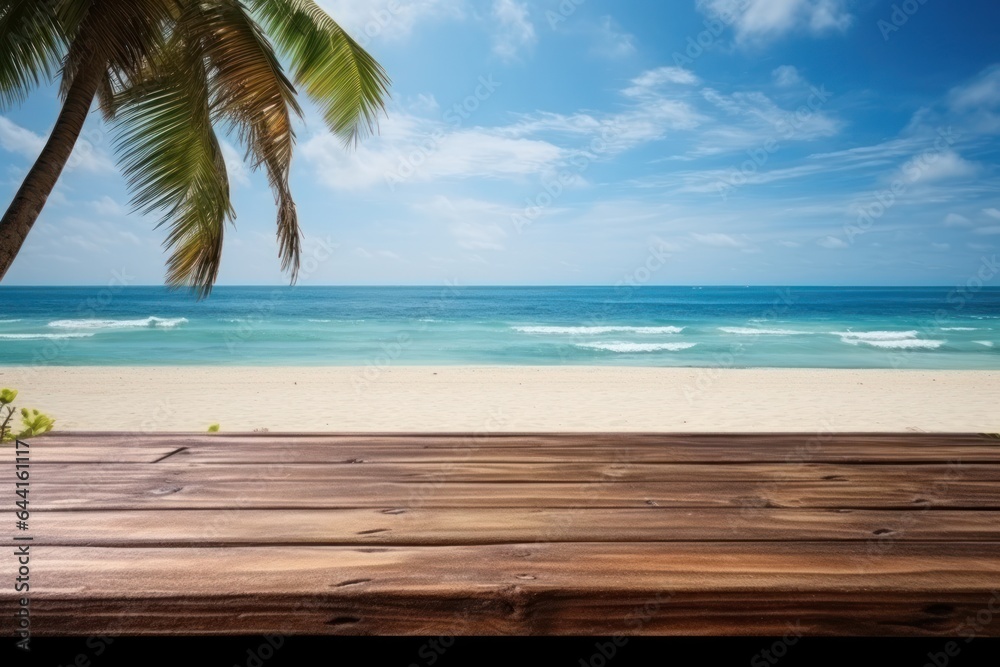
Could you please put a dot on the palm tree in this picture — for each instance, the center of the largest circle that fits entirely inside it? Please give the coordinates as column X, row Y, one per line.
column 166, row 74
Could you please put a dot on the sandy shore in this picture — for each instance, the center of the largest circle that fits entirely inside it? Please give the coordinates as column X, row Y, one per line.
column 485, row 399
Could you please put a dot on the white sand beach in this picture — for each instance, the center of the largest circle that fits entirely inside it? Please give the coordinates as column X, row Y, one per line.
column 508, row 399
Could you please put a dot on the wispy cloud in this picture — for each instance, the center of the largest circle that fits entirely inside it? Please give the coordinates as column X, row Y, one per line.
column 368, row 21
column 648, row 83
column 514, row 33
column 611, row 41
column 759, row 21
column 786, row 75
column 832, row 243
column 414, row 149
column 27, row 144
column 236, row 168
column 718, row 240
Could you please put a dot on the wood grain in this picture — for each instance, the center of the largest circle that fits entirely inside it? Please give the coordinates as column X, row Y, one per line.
column 471, row 526
column 687, row 534
column 702, row 588
column 264, row 493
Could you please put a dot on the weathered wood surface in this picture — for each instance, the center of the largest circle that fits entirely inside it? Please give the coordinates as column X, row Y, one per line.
column 513, row 534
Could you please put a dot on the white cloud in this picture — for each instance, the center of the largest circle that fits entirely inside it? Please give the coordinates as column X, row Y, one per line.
column 646, row 83
column 717, row 240
column 368, row 20
column 832, row 242
column 956, row 220
column 992, row 212
column 412, row 149
column 17, row 139
column 941, row 247
column 789, row 244
column 24, row 142
column 757, row 21
column 786, row 76
column 649, row 120
column 514, row 31
column 981, row 247
column 108, row 207
column 982, row 92
column 987, row 231
column 751, row 118
column 423, row 103
column 937, row 166
column 612, row 41
column 235, row 166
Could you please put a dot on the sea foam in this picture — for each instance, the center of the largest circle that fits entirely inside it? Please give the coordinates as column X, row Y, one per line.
column 638, row 347
column 149, row 322
column 38, row 336
column 876, row 335
column 898, row 344
column 592, row 331
column 751, row 331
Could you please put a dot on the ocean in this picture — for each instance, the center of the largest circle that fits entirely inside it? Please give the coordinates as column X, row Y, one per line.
column 732, row 327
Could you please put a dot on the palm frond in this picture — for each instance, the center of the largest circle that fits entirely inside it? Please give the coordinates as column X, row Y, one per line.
column 173, row 162
column 251, row 93
column 119, row 35
column 32, row 44
column 349, row 86
column 108, row 95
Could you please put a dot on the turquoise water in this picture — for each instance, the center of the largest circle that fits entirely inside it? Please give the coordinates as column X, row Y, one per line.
column 650, row 326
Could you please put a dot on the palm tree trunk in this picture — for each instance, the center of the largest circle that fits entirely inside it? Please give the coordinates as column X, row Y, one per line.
column 42, row 177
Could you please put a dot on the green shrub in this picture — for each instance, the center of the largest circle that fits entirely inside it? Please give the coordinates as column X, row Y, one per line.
column 33, row 422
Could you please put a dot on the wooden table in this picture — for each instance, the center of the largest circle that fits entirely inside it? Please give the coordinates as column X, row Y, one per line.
column 818, row 534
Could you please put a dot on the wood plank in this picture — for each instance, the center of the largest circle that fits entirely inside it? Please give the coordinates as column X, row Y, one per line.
column 606, row 493
column 502, row 440
column 42, row 452
column 520, row 533
column 576, row 472
column 429, row 527
column 602, row 448
column 839, row 452
column 699, row 588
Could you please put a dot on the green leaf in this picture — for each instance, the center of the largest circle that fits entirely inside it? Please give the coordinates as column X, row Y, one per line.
column 214, row 428
column 32, row 45
column 349, row 85
column 35, row 423
column 7, row 396
column 173, row 162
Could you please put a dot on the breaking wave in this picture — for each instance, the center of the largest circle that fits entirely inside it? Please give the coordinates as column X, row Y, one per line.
column 638, row 347
column 149, row 322
column 592, row 331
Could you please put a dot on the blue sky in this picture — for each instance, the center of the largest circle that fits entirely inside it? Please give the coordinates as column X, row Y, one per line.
column 568, row 142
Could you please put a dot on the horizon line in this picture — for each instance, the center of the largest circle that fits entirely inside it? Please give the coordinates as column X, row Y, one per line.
column 496, row 285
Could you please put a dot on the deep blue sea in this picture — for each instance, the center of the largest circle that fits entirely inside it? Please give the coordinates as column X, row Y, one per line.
column 648, row 326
